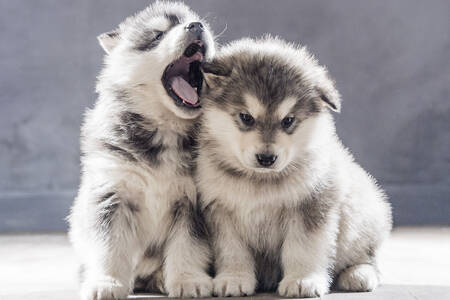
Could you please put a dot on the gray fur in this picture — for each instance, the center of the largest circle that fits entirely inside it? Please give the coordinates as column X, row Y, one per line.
column 136, row 215
column 109, row 204
column 120, row 151
column 174, row 19
column 121, row 95
column 315, row 209
column 138, row 134
column 311, row 215
column 153, row 250
column 153, row 283
column 185, row 212
column 132, row 207
column 187, row 145
column 148, row 40
column 267, row 268
column 229, row 170
column 269, row 78
column 81, row 273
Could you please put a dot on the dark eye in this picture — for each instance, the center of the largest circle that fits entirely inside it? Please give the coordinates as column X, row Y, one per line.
column 287, row 122
column 247, row 119
column 159, row 35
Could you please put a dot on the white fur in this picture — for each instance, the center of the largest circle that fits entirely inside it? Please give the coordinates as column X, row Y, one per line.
column 245, row 213
column 112, row 259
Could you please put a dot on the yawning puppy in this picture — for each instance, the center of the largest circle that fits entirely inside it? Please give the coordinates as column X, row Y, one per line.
column 135, row 221
column 287, row 206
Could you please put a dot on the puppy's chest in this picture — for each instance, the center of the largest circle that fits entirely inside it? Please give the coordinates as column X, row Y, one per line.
column 170, row 180
column 261, row 227
column 175, row 162
column 164, row 159
column 177, row 154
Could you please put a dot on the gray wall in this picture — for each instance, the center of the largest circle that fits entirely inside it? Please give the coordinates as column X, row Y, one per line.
column 391, row 61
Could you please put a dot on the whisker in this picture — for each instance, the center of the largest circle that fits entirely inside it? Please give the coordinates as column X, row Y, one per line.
column 222, row 32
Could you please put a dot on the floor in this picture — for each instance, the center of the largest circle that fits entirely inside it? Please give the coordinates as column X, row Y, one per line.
column 415, row 263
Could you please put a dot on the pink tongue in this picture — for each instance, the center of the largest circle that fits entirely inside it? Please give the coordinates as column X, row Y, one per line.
column 184, row 90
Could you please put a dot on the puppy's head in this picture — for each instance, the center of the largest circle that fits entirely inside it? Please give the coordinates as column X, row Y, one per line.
column 158, row 52
column 265, row 103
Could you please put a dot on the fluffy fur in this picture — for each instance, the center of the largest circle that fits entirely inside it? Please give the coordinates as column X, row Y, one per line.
column 135, row 221
column 308, row 216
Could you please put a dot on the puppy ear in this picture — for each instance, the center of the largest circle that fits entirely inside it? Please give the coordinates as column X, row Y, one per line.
column 329, row 95
column 215, row 70
column 109, row 40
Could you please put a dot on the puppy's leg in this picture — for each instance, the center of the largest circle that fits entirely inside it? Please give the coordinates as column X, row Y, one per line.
column 149, row 276
column 356, row 262
column 187, row 255
column 306, row 256
column 234, row 264
column 112, row 245
column 364, row 225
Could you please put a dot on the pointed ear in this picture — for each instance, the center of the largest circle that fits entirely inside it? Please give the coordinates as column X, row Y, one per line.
column 329, row 95
column 215, row 70
column 109, row 40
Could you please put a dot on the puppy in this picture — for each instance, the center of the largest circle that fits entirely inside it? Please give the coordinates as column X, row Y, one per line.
column 286, row 205
column 135, row 220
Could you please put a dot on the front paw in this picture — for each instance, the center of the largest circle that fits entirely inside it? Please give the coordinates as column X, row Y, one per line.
column 234, row 285
column 359, row 278
column 190, row 286
column 307, row 287
column 103, row 289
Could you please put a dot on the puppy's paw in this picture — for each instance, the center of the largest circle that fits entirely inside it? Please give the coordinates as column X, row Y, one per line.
column 234, row 285
column 359, row 278
column 307, row 287
column 190, row 286
column 103, row 289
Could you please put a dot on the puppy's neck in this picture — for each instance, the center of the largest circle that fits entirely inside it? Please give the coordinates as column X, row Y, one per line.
column 145, row 102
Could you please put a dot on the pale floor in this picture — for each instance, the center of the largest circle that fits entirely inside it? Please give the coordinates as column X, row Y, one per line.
column 415, row 263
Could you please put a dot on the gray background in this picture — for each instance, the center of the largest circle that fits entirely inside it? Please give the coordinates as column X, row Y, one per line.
column 391, row 61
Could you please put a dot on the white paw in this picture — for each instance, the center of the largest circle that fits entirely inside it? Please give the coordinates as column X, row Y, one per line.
column 234, row 285
column 310, row 286
column 104, row 289
column 359, row 278
column 192, row 286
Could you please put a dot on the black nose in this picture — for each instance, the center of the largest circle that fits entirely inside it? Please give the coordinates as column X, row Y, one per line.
column 195, row 27
column 266, row 160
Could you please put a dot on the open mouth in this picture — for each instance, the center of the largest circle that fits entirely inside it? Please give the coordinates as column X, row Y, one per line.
column 183, row 79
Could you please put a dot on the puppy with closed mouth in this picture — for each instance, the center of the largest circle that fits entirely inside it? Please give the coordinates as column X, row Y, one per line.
column 135, row 223
column 287, row 207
